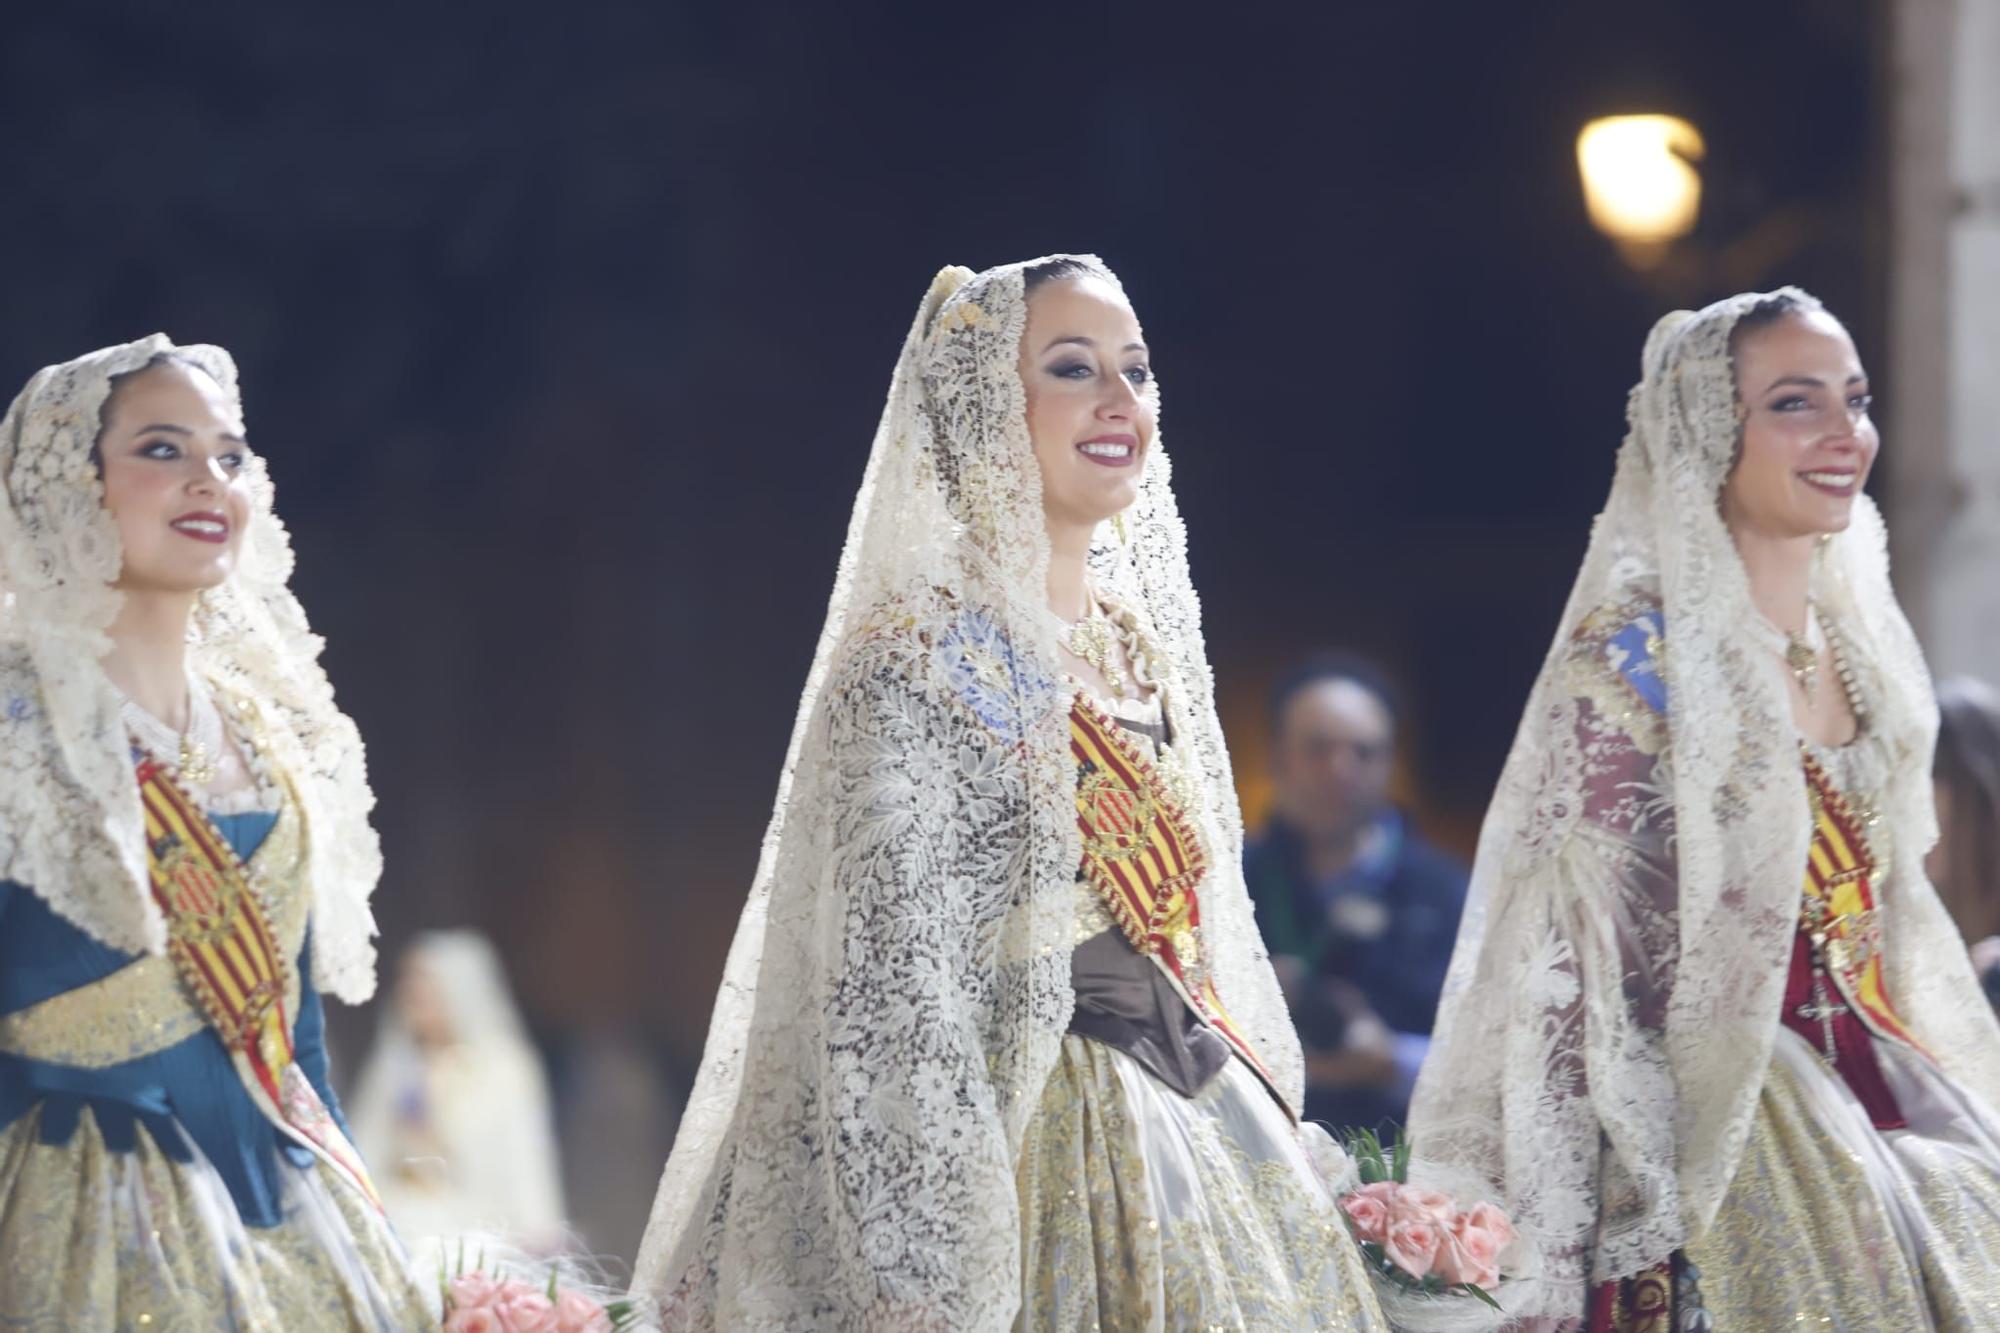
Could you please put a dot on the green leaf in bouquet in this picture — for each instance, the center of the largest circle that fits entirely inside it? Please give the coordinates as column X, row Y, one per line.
column 1369, row 1161
column 1400, row 1168
column 1481, row 1293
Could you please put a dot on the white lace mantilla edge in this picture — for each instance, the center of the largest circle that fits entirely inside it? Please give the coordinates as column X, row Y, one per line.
column 1613, row 998
column 70, row 826
column 899, row 982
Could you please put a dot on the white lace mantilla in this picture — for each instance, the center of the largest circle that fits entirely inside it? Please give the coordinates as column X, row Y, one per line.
column 899, row 983
column 70, row 827
column 1615, row 991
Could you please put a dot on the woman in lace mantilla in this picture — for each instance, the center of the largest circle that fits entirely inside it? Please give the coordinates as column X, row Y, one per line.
column 185, row 861
column 1708, row 1027
column 997, row 1044
column 451, row 1107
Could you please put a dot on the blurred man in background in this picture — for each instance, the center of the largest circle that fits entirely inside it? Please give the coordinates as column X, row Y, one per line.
column 1358, row 911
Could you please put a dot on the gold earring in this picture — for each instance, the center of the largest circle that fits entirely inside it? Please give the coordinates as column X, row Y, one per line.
column 1118, row 526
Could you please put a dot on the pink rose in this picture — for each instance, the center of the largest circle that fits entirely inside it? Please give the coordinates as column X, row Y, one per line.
column 1412, row 1246
column 473, row 1319
column 577, row 1313
column 1488, row 1217
column 1410, row 1204
column 1370, row 1215
column 473, row 1291
column 525, row 1310
column 1470, row 1254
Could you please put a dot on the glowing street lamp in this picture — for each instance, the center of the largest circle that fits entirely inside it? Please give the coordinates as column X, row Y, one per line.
column 1639, row 182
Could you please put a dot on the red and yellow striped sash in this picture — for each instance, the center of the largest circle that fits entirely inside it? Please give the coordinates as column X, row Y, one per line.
column 1839, row 905
column 220, row 938
column 1142, row 855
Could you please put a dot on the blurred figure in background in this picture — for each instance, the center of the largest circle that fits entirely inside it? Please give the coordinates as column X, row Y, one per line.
column 1359, row 913
column 1965, row 862
column 453, row 1105
column 616, row 1105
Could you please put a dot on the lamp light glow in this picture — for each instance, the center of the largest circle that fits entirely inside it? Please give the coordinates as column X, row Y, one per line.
column 1639, row 181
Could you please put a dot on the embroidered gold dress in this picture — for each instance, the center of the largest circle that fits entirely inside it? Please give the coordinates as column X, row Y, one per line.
column 140, row 1184
column 1869, row 1196
column 1162, row 1184
column 1869, row 1193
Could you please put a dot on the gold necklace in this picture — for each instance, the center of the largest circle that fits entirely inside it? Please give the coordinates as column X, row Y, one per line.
column 1801, row 657
column 1804, row 662
column 196, row 768
column 1094, row 639
column 197, row 750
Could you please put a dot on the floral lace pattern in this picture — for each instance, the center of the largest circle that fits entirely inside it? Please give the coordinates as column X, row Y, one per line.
column 899, row 987
column 1613, row 999
column 70, row 825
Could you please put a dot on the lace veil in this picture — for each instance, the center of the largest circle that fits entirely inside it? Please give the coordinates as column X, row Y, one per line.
column 1612, row 1003
column 899, row 982
column 70, row 826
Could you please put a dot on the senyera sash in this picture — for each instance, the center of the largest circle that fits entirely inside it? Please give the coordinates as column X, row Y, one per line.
column 220, row 937
column 1840, row 907
column 1143, row 856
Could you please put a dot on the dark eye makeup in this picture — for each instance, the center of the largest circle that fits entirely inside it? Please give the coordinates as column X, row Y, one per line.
column 166, row 451
column 1079, row 370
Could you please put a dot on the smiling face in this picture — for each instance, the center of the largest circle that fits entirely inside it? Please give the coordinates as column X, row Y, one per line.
column 1090, row 402
column 1808, row 442
column 173, row 455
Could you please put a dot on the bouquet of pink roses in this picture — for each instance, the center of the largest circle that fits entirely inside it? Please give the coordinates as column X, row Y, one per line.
column 1420, row 1243
column 478, row 1301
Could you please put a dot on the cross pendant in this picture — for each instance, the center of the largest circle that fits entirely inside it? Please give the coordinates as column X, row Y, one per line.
column 1823, row 1010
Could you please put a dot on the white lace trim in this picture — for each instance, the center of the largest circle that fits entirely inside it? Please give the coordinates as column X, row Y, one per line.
column 70, row 827
column 1612, row 1002
column 899, row 983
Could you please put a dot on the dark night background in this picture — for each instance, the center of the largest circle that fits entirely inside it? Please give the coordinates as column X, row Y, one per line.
column 566, row 327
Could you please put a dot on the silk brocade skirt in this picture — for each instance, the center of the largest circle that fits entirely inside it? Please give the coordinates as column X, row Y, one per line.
column 1831, row 1223
column 1142, row 1209
column 92, row 1238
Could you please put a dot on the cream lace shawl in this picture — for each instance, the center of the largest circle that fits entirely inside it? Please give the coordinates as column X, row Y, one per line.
column 70, row 827
column 1615, row 991
column 899, row 983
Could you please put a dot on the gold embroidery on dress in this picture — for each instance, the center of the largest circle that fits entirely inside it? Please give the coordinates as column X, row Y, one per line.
column 1261, row 1249
column 1594, row 669
column 1802, row 1237
column 105, row 1237
column 143, row 1007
